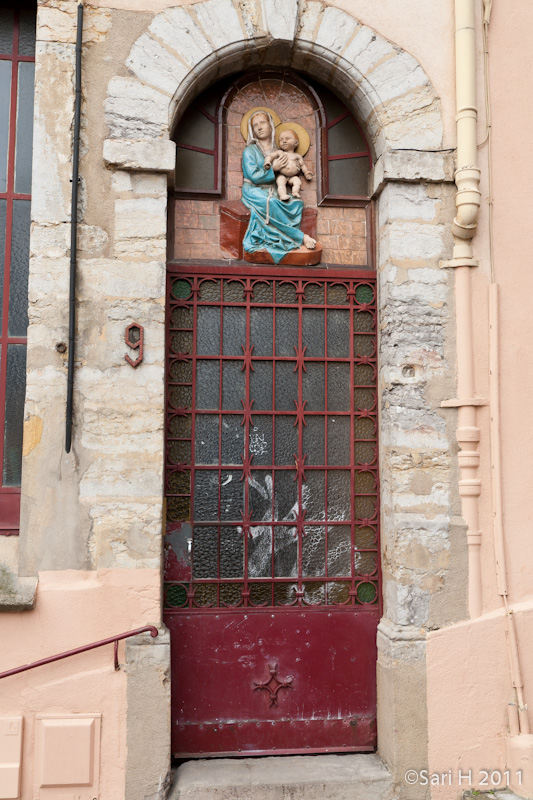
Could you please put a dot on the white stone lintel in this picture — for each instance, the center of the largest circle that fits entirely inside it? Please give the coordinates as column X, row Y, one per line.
column 140, row 156
column 412, row 166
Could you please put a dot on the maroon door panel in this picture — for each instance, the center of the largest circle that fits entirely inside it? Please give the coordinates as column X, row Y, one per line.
column 271, row 548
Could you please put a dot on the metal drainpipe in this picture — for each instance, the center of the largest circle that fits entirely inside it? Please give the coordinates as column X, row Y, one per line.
column 74, row 236
column 464, row 227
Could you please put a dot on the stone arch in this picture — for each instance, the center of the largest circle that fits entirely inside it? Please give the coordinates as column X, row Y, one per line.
column 186, row 48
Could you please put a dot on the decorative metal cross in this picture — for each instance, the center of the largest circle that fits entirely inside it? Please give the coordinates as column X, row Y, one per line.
column 273, row 684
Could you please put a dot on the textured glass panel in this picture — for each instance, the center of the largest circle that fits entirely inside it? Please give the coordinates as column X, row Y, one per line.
column 338, row 593
column 339, row 550
column 364, row 398
column 260, row 436
column 339, row 495
column 23, row 150
column 364, row 345
column 181, row 289
column 367, row 592
column 194, row 170
column 363, row 321
column 365, row 537
column 284, row 594
column 363, row 375
column 286, row 441
column 2, row 247
column 261, row 331
column 179, row 452
column 27, row 33
column 206, row 438
column 313, row 388
column 181, row 342
column 339, row 441
column 365, row 506
column 180, row 426
column 314, row 293
column 232, row 439
column 365, row 482
column 178, row 509
column 5, row 93
column 179, row 482
column 233, row 291
column 261, row 385
column 338, row 333
column 233, row 331
column 181, row 371
column 206, row 494
column 260, row 552
column 181, row 396
column 365, row 453
column 231, row 495
column 349, row 176
column 6, row 31
column 286, row 386
column 286, row 331
column 231, row 553
column 313, row 332
column 208, row 331
column 337, row 294
column 313, row 551
column 285, row 292
column 333, row 106
column 339, row 389
column 364, row 294
column 314, row 593
column 365, row 563
column 15, row 385
column 205, row 595
column 205, row 553
column 345, row 137
column 196, row 129
column 314, row 495
column 260, row 594
column 175, row 596
column 260, row 495
column 285, row 552
column 313, row 441
column 209, row 290
column 231, row 594
column 263, row 292
column 233, row 385
column 285, row 495
column 207, row 384
column 364, row 428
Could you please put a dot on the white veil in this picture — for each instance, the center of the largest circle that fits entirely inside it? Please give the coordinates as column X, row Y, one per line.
column 251, row 138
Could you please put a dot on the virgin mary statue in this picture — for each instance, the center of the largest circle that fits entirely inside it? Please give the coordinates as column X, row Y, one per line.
column 274, row 224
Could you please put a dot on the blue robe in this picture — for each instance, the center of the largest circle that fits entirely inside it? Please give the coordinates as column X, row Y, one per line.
column 282, row 233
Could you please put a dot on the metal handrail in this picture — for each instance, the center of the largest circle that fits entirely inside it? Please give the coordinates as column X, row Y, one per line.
column 112, row 640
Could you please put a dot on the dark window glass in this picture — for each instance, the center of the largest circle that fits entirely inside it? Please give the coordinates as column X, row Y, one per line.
column 24, row 127
column 6, row 31
column 349, row 176
column 14, row 413
column 194, row 170
column 197, row 130
column 20, row 254
column 345, row 137
column 27, row 33
column 5, row 95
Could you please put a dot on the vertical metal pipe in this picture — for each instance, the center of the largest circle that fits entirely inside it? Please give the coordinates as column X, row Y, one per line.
column 74, row 235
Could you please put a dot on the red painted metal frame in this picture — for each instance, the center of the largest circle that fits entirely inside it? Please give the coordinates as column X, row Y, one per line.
column 9, row 496
column 111, row 640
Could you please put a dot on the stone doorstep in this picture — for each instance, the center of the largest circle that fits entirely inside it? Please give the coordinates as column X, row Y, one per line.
column 320, row 777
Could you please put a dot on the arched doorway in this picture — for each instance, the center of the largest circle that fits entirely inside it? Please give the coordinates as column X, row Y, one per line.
column 272, row 568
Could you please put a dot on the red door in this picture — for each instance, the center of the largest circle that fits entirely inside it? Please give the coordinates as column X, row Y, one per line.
column 271, row 550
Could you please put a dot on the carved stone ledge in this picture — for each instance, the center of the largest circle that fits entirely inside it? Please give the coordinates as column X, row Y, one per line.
column 140, row 156
column 16, row 594
column 412, row 166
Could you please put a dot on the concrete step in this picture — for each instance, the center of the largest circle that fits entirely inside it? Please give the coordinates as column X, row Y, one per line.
column 320, row 777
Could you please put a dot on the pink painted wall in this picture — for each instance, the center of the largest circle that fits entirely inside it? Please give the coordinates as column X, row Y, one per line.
column 468, row 672
column 75, row 608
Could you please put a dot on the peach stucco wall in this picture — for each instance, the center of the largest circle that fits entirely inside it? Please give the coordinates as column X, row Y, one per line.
column 469, row 682
column 75, row 608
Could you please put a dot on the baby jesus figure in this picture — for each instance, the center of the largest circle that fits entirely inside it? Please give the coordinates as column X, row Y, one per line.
column 292, row 165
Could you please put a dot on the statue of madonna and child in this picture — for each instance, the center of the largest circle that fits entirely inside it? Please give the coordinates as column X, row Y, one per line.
column 270, row 173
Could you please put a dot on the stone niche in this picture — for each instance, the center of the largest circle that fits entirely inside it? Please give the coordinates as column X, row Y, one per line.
column 194, row 224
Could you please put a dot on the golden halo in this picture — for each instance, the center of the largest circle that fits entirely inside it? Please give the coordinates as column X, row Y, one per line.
column 246, row 117
column 303, row 136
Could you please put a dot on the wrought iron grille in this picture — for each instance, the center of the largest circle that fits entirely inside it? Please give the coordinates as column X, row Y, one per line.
column 271, row 448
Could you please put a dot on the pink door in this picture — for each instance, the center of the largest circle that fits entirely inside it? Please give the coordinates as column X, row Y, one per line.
column 271, row 551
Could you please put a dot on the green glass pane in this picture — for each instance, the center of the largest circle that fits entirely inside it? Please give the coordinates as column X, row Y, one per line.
column 364, row 294
column 367, row 592
column 181, row 289
column 175, row 596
